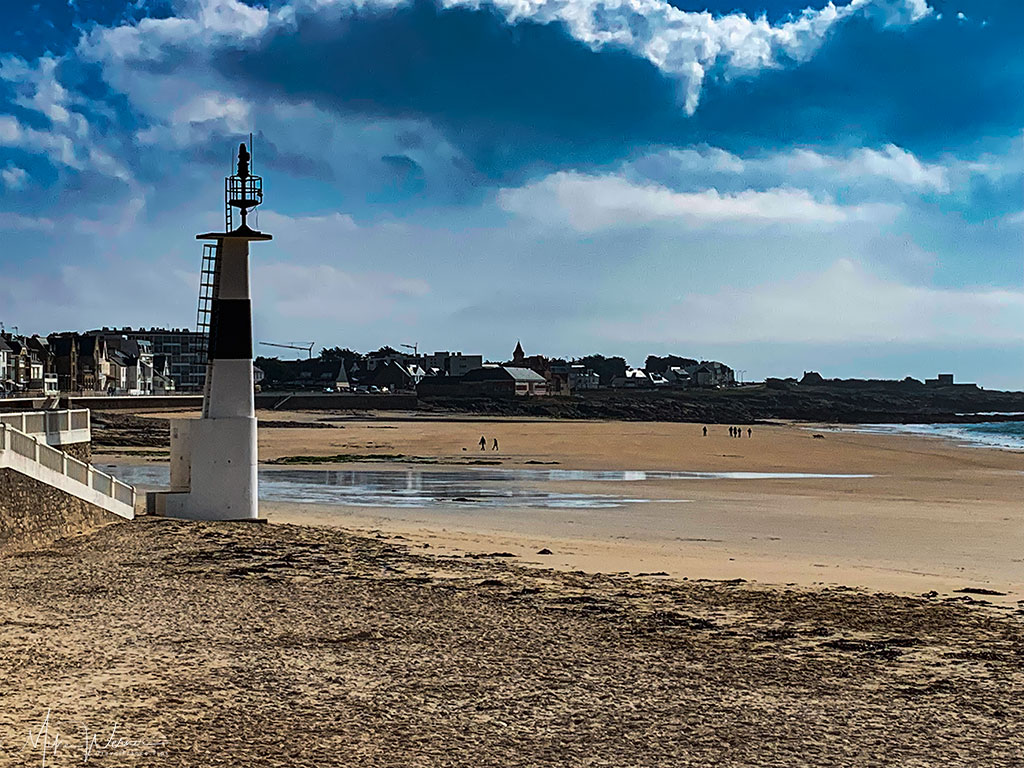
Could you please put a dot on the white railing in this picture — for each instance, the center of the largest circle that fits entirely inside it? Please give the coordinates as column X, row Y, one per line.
column 58, row 427
column 79, row 418
column 37, row 452
column 77, row 470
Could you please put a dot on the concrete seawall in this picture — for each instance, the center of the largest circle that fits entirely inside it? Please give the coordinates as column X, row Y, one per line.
column 284, row 400
column 336, row 401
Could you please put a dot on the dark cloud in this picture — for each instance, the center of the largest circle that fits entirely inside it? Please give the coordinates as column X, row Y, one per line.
column 936, row 86
column 526, row 98
column 506, row 95
column 403, row 177
column 774, row 10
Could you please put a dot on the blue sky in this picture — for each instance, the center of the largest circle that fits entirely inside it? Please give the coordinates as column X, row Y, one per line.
column 779, row 185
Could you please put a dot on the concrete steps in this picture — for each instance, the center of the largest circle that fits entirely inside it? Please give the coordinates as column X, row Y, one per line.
column 32, row 457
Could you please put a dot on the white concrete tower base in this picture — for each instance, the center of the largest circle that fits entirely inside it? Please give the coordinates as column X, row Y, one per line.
column 214, row 458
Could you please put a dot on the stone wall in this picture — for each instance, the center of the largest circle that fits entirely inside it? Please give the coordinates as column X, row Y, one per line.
column 81, row 451
column 344, row 401
column 34, row 515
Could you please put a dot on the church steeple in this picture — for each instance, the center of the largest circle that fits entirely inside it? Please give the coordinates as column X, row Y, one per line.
column 518, row 355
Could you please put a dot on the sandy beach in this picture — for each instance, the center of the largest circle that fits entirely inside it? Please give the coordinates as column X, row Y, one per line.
column 238, row 644
column 931, row 516
column 674, row 620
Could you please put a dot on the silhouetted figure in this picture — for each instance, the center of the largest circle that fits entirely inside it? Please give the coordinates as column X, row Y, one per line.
column 749, row 431
column 730, row 431
column 483, row 443
column 495, row 445
column 705, row 431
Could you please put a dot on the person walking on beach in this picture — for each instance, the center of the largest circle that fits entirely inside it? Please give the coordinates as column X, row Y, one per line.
column 749, row 431
column 483, row 443
column 705, row 431
column 731, row 431
column 495, row 444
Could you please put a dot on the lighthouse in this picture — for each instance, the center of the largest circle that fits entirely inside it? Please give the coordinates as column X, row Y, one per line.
column 213, row 458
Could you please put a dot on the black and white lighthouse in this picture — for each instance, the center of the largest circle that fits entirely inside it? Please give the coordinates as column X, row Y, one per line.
column 213, row 458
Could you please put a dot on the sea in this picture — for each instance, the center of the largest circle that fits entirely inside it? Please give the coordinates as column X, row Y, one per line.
column 1007, row 435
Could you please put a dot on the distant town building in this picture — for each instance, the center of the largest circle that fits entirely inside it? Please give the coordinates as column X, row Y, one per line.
column 6, row 378
column 384, row 356
column 134, row 361
column 184, row 349
column 26, row 366
column 65, row 361
column 451, row 363
column 634, row 378
column 489, row 380
column 567, row 378
column 946, row 380
column 712, row 374
column 163, row 384
column 812, row 378
column 316, row 374
column 506, row 380
column 563, row 378
column 395, row 377
column 518, row 355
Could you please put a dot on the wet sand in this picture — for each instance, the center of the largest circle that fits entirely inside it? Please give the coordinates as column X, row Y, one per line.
column 239, row 644
column 934, row 516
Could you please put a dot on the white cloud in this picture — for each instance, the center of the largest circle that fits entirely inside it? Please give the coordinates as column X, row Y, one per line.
column 60, row 149
column 324, row 228
column 590, row 203
column 897, row 165
column 324, row 292
column 193, row 120
column 16, row 221
column 890, row 164
column 37, row 87
column 69, row 141
column 13, row 177
column 844, row 304
column 214, row 106
column 201, row 23
column 686, row 44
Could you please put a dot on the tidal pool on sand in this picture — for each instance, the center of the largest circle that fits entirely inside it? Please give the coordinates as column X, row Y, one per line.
column 421, row 488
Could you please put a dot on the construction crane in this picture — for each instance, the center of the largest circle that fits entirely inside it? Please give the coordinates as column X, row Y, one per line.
column 305, row 346
column 415, row 347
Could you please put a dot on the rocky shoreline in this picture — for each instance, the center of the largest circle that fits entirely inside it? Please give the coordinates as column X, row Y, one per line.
column 883, row 403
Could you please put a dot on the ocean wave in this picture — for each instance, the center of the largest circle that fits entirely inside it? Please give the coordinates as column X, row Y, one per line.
column 1006, row 435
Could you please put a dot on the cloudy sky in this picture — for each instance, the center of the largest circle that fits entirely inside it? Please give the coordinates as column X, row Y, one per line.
column 837, row 187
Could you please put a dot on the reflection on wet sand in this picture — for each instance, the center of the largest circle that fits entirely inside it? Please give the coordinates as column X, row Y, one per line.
column 484, row 488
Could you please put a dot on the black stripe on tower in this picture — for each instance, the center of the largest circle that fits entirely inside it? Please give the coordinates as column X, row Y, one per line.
column 231, row 329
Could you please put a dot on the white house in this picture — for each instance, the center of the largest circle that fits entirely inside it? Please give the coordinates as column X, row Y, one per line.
column 634, row 379
column 6, row 377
